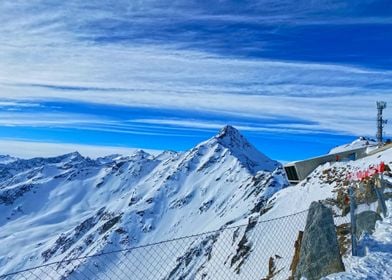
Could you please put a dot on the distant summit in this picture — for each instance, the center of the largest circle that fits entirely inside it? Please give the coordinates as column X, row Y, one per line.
column 6, row 159
column 229, row 131
column 230, row 138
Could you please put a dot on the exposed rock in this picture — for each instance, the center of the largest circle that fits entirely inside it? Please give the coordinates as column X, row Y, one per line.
column 8, row 196
column 66, row 240
column 272, row 269
column 206, row 205
column 295, row 261
column 244, row 247
column 320, row 254
column 344, row 237
column 185, row 263
column 109, row 224
column 181, row 202
column 366, row 193
column 366, row 222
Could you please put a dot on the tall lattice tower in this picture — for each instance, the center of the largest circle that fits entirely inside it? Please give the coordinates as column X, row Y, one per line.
column 381, row 105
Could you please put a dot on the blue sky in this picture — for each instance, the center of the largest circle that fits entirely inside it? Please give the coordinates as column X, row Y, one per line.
column 296, row 77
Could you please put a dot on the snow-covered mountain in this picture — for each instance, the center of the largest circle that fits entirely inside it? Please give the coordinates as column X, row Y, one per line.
column 70, row 206
column 6, row 159
column 361, row 142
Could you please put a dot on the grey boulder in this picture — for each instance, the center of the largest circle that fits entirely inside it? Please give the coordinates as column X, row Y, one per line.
column 319, row 254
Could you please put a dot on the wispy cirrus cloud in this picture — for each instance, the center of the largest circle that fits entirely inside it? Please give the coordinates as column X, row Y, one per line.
column 10, row 105
column 322, row 64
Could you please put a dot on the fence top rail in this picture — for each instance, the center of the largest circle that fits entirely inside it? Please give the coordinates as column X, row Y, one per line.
column 150, row 244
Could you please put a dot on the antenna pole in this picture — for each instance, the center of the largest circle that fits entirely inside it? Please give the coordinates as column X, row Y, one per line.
column 381, row 105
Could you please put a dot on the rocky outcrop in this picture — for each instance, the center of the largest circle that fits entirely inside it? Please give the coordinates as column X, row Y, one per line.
column 295, row 261
column 319, row 254
column 366, row 222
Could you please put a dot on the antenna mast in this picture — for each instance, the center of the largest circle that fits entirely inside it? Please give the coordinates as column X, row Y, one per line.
column 381, row 105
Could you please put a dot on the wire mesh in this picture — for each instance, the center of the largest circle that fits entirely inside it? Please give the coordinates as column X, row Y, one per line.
column 256, row 250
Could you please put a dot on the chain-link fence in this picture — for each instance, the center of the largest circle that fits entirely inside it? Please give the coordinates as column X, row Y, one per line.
column 256, row 250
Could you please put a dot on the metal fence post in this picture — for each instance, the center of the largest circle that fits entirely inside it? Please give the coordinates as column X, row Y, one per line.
column 354, row 251
column 379, row 189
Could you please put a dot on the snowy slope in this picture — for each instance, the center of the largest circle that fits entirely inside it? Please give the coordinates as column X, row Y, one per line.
column 322, row 184
column 356, row 144
column 70, row 206
column 327, row 183
column 377, row 264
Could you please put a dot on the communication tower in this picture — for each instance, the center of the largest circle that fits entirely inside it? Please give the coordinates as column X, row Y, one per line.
column 381, row 105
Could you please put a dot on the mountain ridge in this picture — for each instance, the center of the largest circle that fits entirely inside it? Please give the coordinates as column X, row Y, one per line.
column 72, row 206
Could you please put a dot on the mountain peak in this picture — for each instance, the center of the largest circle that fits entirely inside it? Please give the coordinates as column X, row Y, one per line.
column 228, row 131
column 72, row 156
column 230, row 138
column 5, row 159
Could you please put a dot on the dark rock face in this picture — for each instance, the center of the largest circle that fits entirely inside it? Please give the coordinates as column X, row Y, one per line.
column 319, row 254
column 366, row 222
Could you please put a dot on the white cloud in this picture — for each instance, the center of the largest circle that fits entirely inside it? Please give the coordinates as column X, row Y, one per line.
column 338, row 98
column 13, row 104
column 38, row 119
column 43, row 46
column 250, row 127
